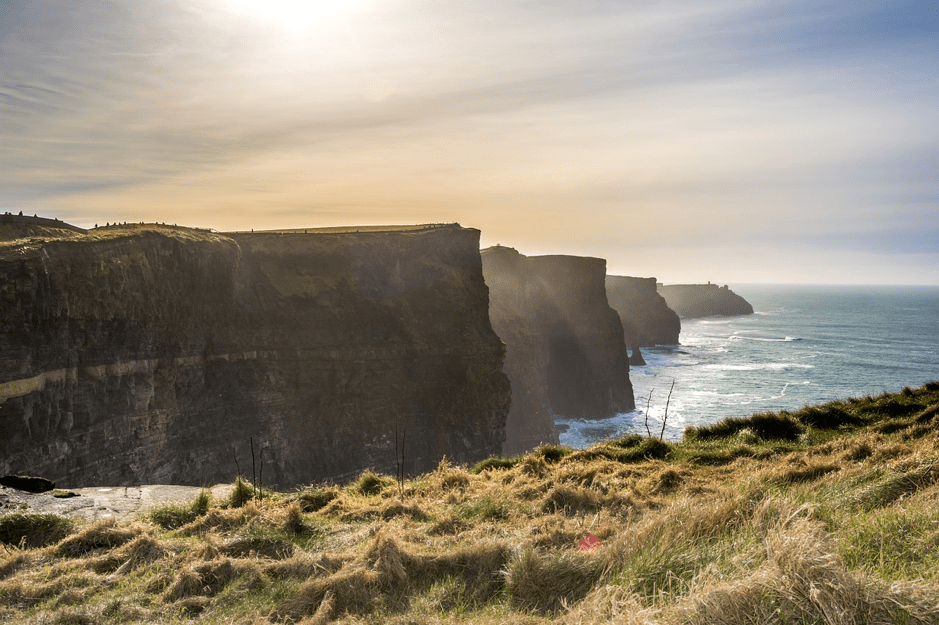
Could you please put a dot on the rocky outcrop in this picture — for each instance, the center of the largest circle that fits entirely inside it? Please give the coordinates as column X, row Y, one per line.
column 565, row 352
column 152, row 355
column 703, row 300
column 647, row 320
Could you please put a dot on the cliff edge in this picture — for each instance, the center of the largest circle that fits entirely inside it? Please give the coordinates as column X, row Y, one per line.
column 703, row 300
column 155, row 355
column 647, row 320
column 565, row 351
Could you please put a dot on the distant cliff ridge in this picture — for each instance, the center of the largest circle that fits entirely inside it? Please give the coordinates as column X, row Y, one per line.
column 703, row 300
column 565, row 351
column 152, row 355
column 647, row 320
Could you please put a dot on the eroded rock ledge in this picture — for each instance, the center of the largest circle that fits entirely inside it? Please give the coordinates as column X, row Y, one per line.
column 565, row 352
column 152, row 355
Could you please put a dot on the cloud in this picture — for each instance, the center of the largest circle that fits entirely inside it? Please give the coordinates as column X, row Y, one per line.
column 652, row 122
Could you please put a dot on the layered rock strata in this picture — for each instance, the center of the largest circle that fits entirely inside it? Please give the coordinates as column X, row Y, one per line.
column 703, row 300
column 647, row 320
column 565, row 352
column 152, row 355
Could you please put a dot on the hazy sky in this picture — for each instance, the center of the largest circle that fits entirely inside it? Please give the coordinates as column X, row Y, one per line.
column 728, row 140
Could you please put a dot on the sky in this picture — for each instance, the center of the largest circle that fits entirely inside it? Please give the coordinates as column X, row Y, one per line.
column 731, row 141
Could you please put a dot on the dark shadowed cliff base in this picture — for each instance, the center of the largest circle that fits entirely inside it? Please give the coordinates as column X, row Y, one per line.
column 703, row 300
column 565, row 352
column 148, row 354
column 647, row 320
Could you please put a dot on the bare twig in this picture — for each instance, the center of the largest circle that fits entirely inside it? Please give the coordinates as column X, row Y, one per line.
column 235, row 456
column 399, row 459
column 665, row 418
column 254, row 475
column 648, row 402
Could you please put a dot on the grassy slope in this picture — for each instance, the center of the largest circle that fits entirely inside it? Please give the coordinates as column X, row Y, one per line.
column 828, row 515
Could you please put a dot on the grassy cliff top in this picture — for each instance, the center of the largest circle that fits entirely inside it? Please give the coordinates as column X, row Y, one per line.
column 15, row 242
column 825, row 515
column 352, row 229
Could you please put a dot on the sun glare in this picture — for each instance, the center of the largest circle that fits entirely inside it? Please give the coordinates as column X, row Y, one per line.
column 292, row 14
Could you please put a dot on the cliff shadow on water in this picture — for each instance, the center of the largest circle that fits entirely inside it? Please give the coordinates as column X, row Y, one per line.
column 150, row 354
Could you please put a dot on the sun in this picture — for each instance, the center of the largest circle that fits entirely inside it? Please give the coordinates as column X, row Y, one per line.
column 292, row 14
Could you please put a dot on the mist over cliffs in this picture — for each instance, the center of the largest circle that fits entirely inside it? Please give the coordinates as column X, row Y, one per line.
column 565, row 350
column 152, row 355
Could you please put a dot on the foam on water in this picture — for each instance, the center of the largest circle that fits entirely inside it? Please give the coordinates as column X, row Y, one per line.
column 803, row 345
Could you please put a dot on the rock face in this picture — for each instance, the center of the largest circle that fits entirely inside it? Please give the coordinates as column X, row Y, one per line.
column 565, row 352
column 150, row 355
column 703, row 300
column 647, row 319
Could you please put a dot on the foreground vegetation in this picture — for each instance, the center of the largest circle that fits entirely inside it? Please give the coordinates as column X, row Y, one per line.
column 827, row 515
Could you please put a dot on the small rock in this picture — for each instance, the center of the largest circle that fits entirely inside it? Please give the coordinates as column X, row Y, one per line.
column 28, row 483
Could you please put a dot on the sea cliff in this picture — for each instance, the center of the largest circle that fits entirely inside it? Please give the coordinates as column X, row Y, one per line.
column 565, row 350
column 703, row 300
column 150, row 354
column 647, row 320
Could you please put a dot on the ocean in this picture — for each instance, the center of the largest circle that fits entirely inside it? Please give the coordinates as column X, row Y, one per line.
column 803, row 345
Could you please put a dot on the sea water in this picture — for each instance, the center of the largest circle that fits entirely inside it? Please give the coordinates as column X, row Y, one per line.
column 803, row 345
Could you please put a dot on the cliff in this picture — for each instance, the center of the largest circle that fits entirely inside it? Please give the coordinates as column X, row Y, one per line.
column 703, row 300
column 153, row 355
column 647, row 320
column 565, row 352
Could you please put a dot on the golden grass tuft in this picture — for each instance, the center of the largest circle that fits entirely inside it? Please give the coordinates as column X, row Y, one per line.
column 803, row 581
column 546, row 583
column 96, row 537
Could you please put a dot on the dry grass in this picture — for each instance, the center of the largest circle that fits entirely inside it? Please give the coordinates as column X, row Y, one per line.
column 834, row 526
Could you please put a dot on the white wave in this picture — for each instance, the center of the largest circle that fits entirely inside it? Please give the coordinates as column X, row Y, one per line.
column 771, row 366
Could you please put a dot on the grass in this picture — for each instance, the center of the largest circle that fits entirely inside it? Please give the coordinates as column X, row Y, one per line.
column 173, row 516
column 829, row 514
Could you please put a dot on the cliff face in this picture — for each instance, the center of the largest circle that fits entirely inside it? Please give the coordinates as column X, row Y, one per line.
column 153, row 355
column 703, row 300
column 565, row 352
column 647, row 319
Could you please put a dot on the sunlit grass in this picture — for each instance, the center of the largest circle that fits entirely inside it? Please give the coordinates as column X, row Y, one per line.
column 829, row 514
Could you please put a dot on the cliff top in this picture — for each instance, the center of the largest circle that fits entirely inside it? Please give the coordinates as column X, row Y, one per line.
column 512, row 252
column 15, row 248
column 20, row 235
column 352, row 229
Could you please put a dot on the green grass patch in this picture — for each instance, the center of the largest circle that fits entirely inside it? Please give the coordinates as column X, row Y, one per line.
column 765, row 425
column 371, row 483
column 31, row 531
column 495, row 463
column 487, row 508
column 174, row 516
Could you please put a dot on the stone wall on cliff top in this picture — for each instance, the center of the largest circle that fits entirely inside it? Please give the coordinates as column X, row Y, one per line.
column 691, row 301
column 647, row 319
column 565, row 352
column 153, row 355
